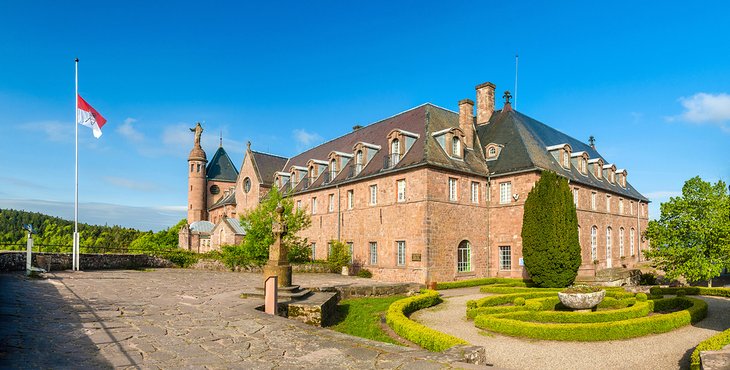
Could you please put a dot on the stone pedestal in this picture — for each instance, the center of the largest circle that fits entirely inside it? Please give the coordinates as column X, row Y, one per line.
column 283, row 273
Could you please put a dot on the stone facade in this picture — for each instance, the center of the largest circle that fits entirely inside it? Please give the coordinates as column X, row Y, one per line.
column 463, row 180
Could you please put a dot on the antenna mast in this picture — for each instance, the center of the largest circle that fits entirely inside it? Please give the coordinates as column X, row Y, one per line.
column 517, row 57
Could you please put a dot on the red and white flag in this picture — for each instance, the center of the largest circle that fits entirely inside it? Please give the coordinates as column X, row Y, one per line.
column 89, row 117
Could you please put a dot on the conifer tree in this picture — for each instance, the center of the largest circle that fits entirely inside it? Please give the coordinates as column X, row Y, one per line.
column 550, row 245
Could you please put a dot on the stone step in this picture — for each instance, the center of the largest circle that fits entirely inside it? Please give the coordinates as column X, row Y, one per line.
column 284, row 293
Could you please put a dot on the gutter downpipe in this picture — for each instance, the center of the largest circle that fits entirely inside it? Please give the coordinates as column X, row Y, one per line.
column 638, row 229
column 339, row 213
column 489, row 213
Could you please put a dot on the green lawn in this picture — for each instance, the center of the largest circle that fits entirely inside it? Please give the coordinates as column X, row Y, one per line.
column 361, row 317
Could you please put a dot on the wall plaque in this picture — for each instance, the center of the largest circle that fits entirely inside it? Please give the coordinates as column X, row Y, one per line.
column 416, row 257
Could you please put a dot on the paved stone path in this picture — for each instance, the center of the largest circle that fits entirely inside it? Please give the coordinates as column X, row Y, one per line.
column 174, row 318
column 663, row 351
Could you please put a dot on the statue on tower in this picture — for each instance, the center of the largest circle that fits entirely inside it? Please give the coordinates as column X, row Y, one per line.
column 198, row 130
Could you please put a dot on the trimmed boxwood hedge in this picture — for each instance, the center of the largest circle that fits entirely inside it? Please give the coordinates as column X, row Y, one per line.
column 713, row 343
column 397, row 319
column 503, row 289
column 506, row 299
column 640, row 309
column 696, row 310
column 483, row 281
column 692, row 290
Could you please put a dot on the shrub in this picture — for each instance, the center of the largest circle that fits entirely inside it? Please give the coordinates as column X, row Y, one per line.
column 695, row 290
column 713, row 343
column 505, row 299
column 613, row 303
column 647, row 278
column 641, row 297
column 550, row 247
column 499, row 289
column 234, row 255
column 364, row 273
column 519, row 301
column 425, row 337
column 474, row 312
column 638, row 310
column 582, row 289
column 478, row 282
column 695, row 310
column 180, row 257
column 339, row 256
column 299, row 252
column 681, row 292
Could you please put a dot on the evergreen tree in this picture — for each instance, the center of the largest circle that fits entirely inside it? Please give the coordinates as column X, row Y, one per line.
column 550, row 245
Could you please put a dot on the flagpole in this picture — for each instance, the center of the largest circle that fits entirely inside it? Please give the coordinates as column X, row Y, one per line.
column 76, row 249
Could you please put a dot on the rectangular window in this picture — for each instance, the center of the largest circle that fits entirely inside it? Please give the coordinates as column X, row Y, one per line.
column 373, row 253
column 593, row 200
column 452, row 189
column 350, row 199
column 620, row 206
column 608, row 203
column 475, row 192
column 631, row 242
column 401, row 252
column 373, row 195
column 631, row 208
column 505, row 258
column 314, row 205
column 314, row 251
column 401, row 184
column 331, row 206
column 352, row 252
column 329, row 249
column 299, row 204
column 621, row 242
column 505, row 192
column 575, row 197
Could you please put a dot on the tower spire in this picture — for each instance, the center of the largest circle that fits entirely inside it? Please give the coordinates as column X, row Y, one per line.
column 221, row 139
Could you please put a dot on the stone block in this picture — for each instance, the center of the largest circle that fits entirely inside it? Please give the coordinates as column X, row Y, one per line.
column 318, row 309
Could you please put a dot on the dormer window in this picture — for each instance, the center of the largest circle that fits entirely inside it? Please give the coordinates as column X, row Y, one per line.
column 580, row 161
column 333, row 169
column 456, row 147
column 358, row 162
column 281, row 179
column 394, row 152
column 621, row 177
column 597, row 167
column 561, row 153
column 492, row 152
column 609, row 172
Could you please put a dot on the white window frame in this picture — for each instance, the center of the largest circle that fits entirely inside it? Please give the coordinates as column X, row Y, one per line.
column 566, row 159
column 453, row 189
column 331, row 205
column 621, row 242
column 475, row 192
column 358, row 162
column 373, row 253
column 351, row 247
column 373, row 195
column 575, row 197
column 505, row 258
column 632, row 236
column 401, row 188
column 299, row 204
column 401, row 252
column 620, row 206
column 395, row 152
column 594, row 243
column 608, row 203
column 505, row 192
column 350, row 199
column 609, row 243
column 313, row 248
column 333, row 169
column 314, row 205
column 594, row 195
column 455, row 147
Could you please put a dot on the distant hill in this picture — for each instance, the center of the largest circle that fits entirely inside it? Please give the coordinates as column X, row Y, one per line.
column 49, row 230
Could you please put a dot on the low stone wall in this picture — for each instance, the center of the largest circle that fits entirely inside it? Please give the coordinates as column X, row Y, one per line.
column 216, row 265
column 15, row 261
column 383, row 290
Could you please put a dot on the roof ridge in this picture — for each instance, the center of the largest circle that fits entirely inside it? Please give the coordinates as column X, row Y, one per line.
column 269, row 154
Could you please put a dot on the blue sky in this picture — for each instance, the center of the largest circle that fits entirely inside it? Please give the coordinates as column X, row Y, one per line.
column 649, row 80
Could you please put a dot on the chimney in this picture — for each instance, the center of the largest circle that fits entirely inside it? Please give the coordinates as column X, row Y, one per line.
column 485, row 102
column 466, row 121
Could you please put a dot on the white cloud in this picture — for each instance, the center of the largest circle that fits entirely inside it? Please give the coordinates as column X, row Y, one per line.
column 52, row 130
column 306, row 139
column 706, row 108
column 131, row 184
column 128, row 131
column 662, row 194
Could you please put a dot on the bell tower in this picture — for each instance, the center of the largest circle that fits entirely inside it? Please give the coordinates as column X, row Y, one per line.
column 197, row 210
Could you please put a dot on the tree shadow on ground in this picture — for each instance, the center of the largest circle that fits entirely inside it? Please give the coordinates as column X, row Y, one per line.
column 40, row 329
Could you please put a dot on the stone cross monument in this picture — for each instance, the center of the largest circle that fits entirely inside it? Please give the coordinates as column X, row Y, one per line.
column 278, row 264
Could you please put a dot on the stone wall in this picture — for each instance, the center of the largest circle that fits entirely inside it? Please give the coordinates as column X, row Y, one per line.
column 15, row 261
column 215, row 265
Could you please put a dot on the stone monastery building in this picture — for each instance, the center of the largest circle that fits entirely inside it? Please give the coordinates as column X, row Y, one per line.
column 426, row 195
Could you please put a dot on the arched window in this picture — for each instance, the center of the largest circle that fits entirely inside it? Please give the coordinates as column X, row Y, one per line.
column 394, row 152
column 358, row 162
column 594, row 243
column 609, row 255
column 464, row 257
column 456, row 147
column 621, row 242
column 492, row 152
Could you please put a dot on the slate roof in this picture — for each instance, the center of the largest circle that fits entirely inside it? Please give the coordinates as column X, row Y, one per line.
column 266, row 166
column 525, row 140
column 423, row 120
column 229, row 198
column 202, row 226
column 221, row 167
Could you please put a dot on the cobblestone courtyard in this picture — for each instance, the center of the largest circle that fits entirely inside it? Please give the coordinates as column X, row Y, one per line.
column 173, row 318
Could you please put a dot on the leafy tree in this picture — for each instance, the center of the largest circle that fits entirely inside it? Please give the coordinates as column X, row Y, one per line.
column 692, row 236
column 339, row 255
column 550, row 245
column 258, row 222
